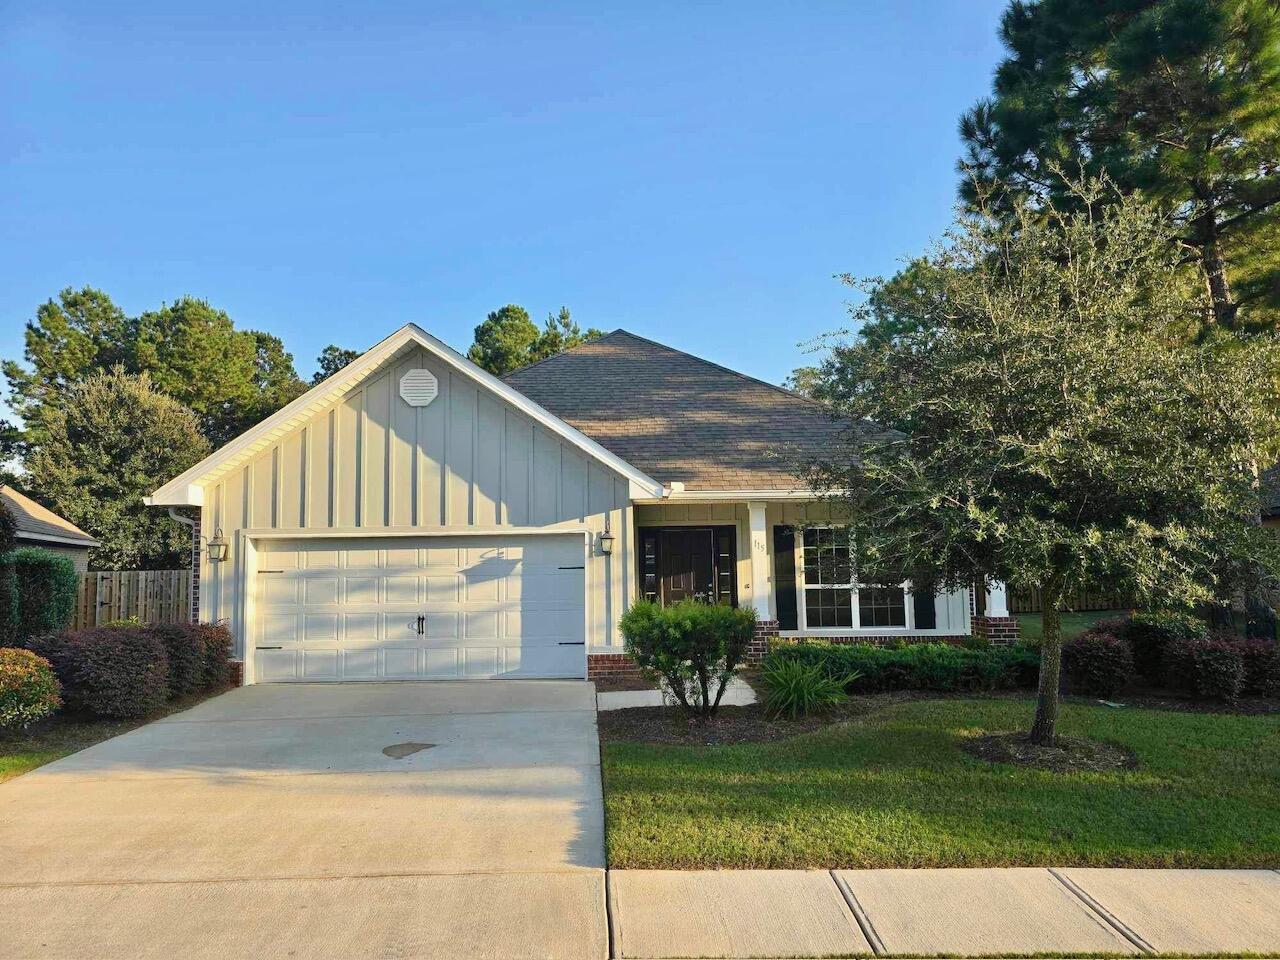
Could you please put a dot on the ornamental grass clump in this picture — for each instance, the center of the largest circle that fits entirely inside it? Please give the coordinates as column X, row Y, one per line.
column 796, row 689
column 691, row 648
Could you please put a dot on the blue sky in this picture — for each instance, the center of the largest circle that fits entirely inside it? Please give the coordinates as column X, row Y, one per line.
column 693, row 172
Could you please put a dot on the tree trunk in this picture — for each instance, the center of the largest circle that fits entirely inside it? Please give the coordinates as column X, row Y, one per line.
column 1044, row 731
column 1222, row 308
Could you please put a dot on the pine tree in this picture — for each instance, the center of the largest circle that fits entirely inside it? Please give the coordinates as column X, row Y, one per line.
column 1179, row 99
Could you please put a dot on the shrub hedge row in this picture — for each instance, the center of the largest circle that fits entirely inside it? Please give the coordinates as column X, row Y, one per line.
column 130, row 670
column 37, row 594
column 918, row 666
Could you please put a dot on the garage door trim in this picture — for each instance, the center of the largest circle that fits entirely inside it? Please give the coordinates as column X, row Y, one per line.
column 247, row 546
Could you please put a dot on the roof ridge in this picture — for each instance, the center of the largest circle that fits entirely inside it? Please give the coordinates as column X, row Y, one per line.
column 530, row 366
column 729, row 370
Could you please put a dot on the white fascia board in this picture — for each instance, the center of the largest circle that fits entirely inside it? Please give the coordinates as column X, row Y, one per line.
column 50, row 538
column 186, row 489
column 722, row 496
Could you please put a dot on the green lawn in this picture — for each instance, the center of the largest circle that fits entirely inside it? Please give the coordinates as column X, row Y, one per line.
column 1072, row 623
column 894, row 790
column 46, row 742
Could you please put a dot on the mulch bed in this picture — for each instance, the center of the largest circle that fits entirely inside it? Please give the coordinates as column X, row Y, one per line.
column 1068, row 755
column 1150, row 699
column 731, row 724
column 614, row 684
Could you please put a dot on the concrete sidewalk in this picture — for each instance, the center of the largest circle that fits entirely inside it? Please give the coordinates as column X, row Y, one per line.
column 977, row 913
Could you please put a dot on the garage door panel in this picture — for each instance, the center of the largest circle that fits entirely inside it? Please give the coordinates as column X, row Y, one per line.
column 490, row 607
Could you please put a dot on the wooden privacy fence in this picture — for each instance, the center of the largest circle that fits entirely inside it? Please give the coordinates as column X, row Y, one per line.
column 1085, row 598
column 151, row 596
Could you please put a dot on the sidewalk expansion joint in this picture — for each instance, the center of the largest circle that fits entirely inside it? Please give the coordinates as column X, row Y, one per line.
column 1107, row 916
column 860, row 915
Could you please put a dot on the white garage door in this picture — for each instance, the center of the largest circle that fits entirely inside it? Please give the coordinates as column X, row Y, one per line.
column 421, row 608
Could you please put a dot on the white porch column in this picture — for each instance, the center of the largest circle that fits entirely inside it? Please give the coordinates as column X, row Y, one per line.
column 997, row 600
column 759, row 559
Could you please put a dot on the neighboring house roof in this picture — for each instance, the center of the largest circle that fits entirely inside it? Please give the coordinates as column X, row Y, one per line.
column 678, row 417
column 35, row 522
column 186, row 489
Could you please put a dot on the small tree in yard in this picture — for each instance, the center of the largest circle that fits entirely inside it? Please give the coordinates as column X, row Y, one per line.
column 1053, row 424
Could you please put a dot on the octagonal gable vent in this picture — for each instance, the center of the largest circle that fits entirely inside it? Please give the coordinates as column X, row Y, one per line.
column 419, row 387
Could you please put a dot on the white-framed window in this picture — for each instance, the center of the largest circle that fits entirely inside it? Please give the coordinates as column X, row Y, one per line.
column 832, row 597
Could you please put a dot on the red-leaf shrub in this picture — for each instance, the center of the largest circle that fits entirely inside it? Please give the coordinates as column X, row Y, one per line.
column 1257, row 654
column 1150, row 634
column 1098, row 662
column 215, row 642
column 184, row 646
column 109, row 671
column 1211, row 668
column 28, row 688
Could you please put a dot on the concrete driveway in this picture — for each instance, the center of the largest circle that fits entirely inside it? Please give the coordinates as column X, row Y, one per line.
column 319, row 820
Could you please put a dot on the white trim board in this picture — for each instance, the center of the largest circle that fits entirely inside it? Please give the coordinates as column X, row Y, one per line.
column 187, row 489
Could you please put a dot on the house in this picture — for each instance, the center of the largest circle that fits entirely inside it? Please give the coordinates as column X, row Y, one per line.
column 415, row 517
column 37, row 526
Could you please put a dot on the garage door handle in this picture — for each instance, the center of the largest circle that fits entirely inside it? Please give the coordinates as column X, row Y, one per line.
column 578, row 567
column 572, row 643
column 260, row 647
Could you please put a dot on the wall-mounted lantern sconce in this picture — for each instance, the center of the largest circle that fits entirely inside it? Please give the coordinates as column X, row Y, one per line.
column 606, row 539
column 217, row 547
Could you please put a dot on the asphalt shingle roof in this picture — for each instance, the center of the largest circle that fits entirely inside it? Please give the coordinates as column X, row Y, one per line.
column 678, row 417
column 33, row 520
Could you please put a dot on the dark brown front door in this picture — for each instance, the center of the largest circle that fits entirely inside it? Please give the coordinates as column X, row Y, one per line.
column 687, row 565
column 679, row 563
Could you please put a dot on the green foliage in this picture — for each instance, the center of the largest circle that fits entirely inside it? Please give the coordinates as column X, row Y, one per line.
column 109, row 671
column 1210, row 668
column 508, row 339
column 193, row 353
column 1054, row 425
column 8, row 527
column 1179, row 99
column 115, row 440
column 28, row 688
column 1151, row 633
column 1098, row 662
column 693, row 648
column 917, row 666
column 794, row 688
column 332, row 359
column 38, row 591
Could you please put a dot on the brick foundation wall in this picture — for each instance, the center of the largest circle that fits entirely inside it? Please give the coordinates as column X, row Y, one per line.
column 955, row 640
column 237, row 673
column 766, row 631
column 999, row 631
column 611, row 666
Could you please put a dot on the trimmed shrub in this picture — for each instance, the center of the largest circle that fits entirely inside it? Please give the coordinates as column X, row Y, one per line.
column 28, row 688
column 919, row 666
column 184, row 645
column 1210, row 668
column 1150, row 634
column 1098, row 662
column 109, row 671
column 693, row 648
column 794, row 688
column 37, row 593
column 1271, row 678
column 215, row 645
column 1257, row 654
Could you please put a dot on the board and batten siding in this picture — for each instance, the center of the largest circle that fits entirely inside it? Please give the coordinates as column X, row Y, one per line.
column 467, row 459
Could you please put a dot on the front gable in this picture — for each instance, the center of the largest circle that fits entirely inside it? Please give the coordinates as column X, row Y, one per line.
column 360, row 449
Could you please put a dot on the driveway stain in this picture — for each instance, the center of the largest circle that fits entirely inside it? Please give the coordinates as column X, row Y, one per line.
column 398, row 751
